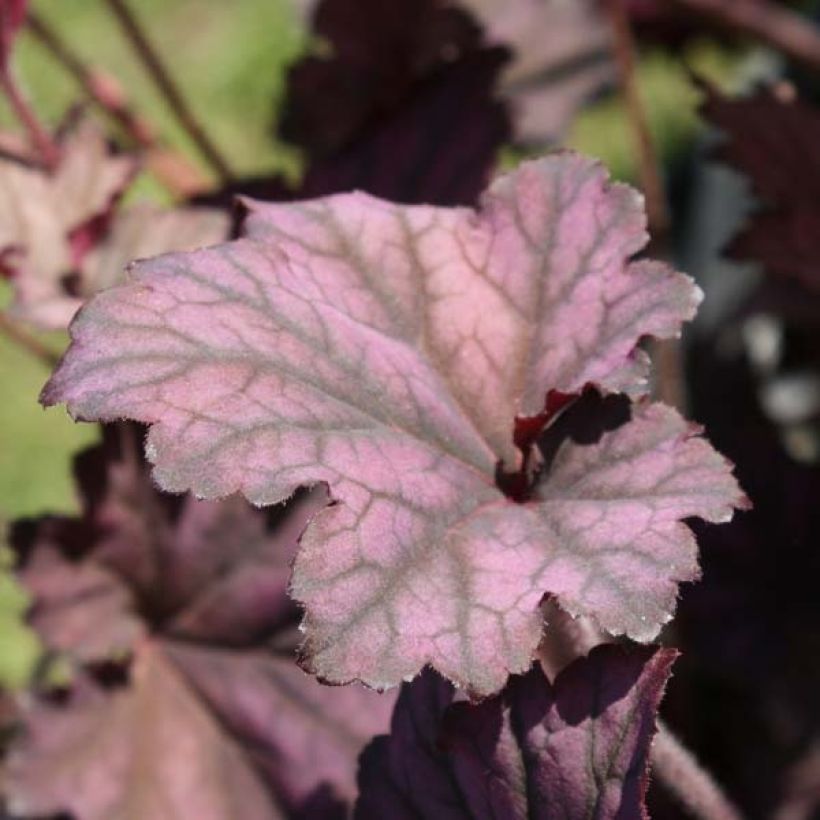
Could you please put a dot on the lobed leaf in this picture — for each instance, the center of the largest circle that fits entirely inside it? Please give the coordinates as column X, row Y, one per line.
column 387, row 351
column 40, row 211
column 575, row 749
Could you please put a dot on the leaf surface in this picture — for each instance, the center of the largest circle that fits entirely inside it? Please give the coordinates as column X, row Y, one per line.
column 211, row 706
column 575, row 749
column 387, row 351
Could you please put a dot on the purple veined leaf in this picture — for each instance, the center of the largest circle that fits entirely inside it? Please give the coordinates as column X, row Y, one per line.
column 577, row 748
column 386, row 351
column 12, row 17
column 195, row 594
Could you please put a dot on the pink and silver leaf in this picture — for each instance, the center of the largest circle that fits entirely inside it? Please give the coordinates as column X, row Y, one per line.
column 387, row 351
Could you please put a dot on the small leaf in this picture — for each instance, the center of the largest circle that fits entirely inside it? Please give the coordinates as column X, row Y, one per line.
column 575, row 749
column 387, row 351
column 39, row 213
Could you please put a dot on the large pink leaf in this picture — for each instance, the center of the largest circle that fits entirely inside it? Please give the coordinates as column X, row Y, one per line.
column 575, row 749
column 387, row 351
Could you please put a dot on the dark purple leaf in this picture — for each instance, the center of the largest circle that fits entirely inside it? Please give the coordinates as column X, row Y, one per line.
column 212, row 717
column 403, row 107
column 578, row 749
column 772, row 138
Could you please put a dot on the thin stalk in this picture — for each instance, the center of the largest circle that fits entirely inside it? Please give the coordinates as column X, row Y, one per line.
column 23, row 339
column 168, row 88
column 666, row 353
column 100, row 88
column 40, row 138
column 677, row 768
column 178, row 174
column 771, row 23
column 673, row 764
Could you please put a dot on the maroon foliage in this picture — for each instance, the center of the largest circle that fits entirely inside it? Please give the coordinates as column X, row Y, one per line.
column 574, row 749
column 773, row 138
column 188, row 600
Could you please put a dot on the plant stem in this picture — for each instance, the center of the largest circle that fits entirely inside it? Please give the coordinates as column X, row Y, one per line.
column 683, row 776
column 178, row 174
column 566, row 639
column 773, row 24
column 23, row 339
column 666, row 353
column 168, row 88
column 98, row 86
column 43, row 143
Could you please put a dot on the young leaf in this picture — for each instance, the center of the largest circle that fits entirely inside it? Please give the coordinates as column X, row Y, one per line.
column 194, row 593
column 773, row 140
column 575, row 749
column 62, row 237
column 387, row 351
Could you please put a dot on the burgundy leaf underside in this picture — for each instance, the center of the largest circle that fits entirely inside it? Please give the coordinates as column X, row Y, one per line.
column 575, row 749
column 386, row 351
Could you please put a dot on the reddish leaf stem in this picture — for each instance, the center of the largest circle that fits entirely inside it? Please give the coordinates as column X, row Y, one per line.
column 566, row 639
column 99, row 87
column 683, row 776
column 40, row 138
column 773, row 24
column 170, row 167
column 666, row 353
column 23, row 339
column 168, row 88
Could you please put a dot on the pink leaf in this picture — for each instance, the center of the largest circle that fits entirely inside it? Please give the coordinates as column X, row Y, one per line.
column 387, row 351
column 575, row 749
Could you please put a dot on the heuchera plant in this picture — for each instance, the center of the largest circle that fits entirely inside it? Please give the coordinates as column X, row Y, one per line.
column 409, row 357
